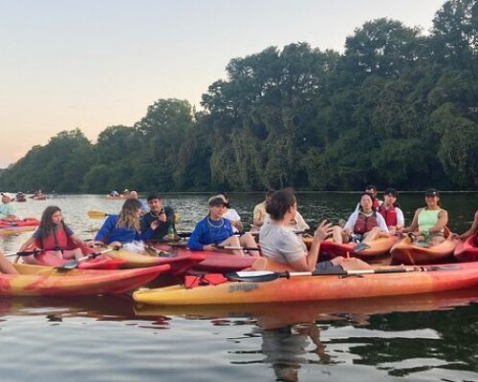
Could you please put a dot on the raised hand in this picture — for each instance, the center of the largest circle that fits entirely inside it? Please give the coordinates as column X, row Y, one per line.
column 323, row 230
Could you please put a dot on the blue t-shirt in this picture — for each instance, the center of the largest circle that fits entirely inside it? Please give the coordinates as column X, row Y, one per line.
column 209, row 231
column 109, row 232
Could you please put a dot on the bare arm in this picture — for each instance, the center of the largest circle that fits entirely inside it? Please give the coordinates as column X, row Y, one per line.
column 414, row 226
column 442, row 222
column 473, row 229
column 26, row 244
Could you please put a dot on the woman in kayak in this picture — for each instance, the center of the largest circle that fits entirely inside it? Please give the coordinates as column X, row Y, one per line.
column 281, row 245
column 364, row 225
column 124, row 229
column 391, row 212
column 429, row 222
column 214, row 230
column 473, row 229
column 6, row 266
column 54, row 236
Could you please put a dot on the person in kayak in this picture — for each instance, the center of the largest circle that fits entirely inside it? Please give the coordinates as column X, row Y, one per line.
column 54, row 236
column 473, row 229
column 280, row 244
column 125, row 229
column 363, row 225
column 214, row 230
column 231, row 214
column 6, row 266
column 429, row 223
column 372, row 191
column 259, row 214
column 391, row 212
column 165, row 216
column 7, row 211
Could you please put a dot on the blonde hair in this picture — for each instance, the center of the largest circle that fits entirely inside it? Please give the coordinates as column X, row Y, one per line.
column 129, row 215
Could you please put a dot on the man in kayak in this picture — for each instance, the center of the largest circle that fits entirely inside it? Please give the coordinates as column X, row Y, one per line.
column 165, row 216
column 260, row 213
column 391, row 212
column 6, row 266
column 7, row 211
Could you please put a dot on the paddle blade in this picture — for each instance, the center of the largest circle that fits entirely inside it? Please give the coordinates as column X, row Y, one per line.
column 97, row 214
column 70, row 265
column 361, row 246
column 253, row 276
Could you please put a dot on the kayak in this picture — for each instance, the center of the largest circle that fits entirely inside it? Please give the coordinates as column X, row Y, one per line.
column 38, row 197
column 47, row 281
column 467, row 250
column 28, row 222
column 377, row 247
column 406, row 251
column 430, row 279
column 212, row 261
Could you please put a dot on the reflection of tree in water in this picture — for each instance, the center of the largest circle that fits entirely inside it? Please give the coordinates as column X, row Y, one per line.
column 453, row 346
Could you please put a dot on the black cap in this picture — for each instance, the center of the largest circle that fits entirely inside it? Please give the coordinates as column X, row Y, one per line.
column 432, row 192
column 217, row 201
column 391, row 191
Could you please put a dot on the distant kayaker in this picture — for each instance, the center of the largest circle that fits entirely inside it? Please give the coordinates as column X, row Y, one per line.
column 214, row 230
column 54, row 236
column 166, row 230
column 473, row 229
column 363, row 225
column 125, row 229
column 391, row 212
column 280, row 244
column 6, row 266
column 429, row 222
column 260, row 213
column 7, row 211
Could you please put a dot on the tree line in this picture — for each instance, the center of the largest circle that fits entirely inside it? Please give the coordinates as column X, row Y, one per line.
column 397, row 108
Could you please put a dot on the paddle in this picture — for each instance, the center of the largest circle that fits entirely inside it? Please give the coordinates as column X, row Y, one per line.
column 75, row 263
column 264, row 276
column 24, row 253
column 97, row 214
column 237, row 248
column 361, row 247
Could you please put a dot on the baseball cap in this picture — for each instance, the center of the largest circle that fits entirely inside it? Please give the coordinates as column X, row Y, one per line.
column 432, row 192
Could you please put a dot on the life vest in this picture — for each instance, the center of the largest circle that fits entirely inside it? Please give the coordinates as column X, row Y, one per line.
column 376, row 204
column 56, row 241
column 365, row 223
column 390, row 215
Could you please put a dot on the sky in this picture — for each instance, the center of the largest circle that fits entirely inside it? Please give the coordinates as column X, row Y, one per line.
column 90, row 64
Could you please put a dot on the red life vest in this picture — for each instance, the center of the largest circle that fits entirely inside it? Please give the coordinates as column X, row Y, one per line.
column 375, row 204
column 390, row 215
column 365, row 223
column 56, row 241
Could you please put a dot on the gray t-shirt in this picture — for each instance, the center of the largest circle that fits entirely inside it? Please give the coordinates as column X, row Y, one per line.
column 280, row 244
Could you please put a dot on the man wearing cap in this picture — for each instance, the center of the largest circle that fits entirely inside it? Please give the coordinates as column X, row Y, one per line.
column 391, row 211
column 164, row 215
column 7, row 211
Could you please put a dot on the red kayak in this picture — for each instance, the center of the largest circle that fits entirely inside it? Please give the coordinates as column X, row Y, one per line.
column 213, row 261
column 467, row 250
column 28, row 222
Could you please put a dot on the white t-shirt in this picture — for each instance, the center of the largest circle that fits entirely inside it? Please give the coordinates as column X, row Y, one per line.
column 232, row 215
column 281, row 244
column 353, row 219
column 296, row 224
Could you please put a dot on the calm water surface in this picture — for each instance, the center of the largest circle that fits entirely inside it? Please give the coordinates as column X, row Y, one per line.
column 108, row 338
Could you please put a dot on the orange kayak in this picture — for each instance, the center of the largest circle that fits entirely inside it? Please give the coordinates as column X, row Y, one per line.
column 406, row 251
column 378, row 247
column 467, row 250
column 429, row 279
column 13, row 230
column 47, row 281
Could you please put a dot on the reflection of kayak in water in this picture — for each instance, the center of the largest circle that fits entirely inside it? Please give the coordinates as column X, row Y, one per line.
column 392, row 281
column 7, row 231
column 277, row 315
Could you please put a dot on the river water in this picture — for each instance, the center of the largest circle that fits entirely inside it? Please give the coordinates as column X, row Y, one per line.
column 108, row 338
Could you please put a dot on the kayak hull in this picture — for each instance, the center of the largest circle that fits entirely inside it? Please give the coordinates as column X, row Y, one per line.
column 378, row 247
column 318, row 288
column 407, row 252
column 9, row 231
column 467, row 250
column 50, row 260
column 213, row 261
column 47, row 281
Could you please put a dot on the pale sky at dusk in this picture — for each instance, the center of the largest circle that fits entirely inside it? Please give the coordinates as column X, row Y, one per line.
column 96, row 63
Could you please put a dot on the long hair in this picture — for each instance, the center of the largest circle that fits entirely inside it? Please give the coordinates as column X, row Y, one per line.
column 47, row 226
column 129, row 215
